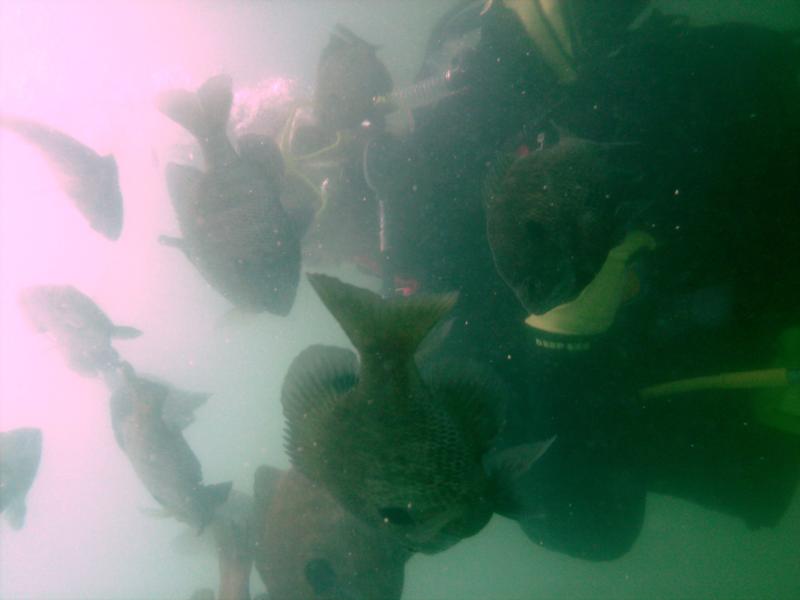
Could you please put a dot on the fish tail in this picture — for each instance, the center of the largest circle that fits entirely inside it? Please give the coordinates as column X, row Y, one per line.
column 373, row 324
column 212, row 497
column 205, row 113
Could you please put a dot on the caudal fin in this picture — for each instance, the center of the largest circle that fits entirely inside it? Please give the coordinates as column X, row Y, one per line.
column 203, row 113
column 375, row 324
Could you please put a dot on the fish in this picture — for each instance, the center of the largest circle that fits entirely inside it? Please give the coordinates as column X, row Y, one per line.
column 349, row 78
column 403, row 450
column 549, row 219
column 20, row 454
column 89, row 179
column 309, row 546
column 82, row 331
column 148, row 418
column 234, row 229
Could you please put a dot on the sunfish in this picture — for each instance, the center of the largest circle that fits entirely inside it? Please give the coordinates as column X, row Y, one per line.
column 20, row 453
column 403, row 451
column 148, row 418
column 309, row 546
column 89, row 179
column 82, row 331
column 235, row 229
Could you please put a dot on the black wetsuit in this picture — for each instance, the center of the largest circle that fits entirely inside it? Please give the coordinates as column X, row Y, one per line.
column 713, row 171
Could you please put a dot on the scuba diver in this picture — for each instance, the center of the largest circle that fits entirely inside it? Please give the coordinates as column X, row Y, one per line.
column 612, row 195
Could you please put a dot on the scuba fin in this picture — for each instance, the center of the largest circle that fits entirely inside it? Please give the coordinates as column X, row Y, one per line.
column 594, row 310
column 777, row 404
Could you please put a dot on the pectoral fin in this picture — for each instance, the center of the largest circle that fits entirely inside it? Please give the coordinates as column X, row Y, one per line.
column 15, row 514
column 183, row 185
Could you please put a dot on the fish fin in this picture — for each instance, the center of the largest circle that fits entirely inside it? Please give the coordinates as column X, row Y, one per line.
column 433, row 341
column 189, row 543
column 185, row 109
column 375, row 324
column 514, row 462
column 177, row 412
column 316, row 379
column 213, row 496
column 124, row 332
column 263, row 150
column 204, row 113
column 174, row 242
column 506, row 468
column 216, row 98
column 473, row 396
column 265, row 485
column 15, row 513
column 183, row 183
column 347, row 35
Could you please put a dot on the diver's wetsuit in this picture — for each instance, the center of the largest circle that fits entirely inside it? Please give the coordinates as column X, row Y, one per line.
column 712, row 171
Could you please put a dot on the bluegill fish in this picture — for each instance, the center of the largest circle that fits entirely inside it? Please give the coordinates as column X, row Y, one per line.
column 82, row 331
column 235, row 229
column 548, row 220
column 148, row 418
column 20, row 453
column 400, row 450
column 91, row 180
column 308, row 546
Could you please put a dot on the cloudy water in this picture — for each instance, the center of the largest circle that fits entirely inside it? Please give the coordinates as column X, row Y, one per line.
column 612, row 193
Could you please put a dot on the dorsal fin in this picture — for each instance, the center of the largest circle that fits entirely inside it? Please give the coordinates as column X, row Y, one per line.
column 316, row 380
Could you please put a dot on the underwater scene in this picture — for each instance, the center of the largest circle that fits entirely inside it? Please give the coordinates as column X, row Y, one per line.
column 399, row 300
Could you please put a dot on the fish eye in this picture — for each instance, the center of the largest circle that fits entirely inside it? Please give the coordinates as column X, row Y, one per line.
column 396, row 515
column 320, row 575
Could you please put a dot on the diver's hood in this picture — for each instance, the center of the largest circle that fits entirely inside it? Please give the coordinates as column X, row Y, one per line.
column 563, row 31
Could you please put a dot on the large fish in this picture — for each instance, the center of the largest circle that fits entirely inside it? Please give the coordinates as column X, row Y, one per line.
column 20, row 453
column 548, row 220
column 235, row 229
column 403, row 452
column 308, row 546
column 89, row 179
column 82, row 331
column 148, row 418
